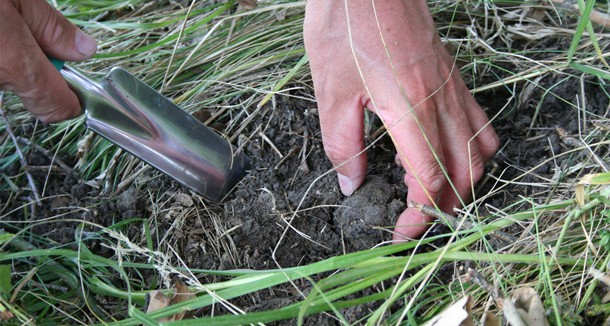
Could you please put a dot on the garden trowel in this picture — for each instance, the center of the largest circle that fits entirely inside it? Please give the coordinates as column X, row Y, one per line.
column 134, row 116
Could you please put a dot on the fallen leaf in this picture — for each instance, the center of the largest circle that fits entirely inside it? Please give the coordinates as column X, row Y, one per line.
column 280, row 15
column 183, row 293
column 458, row 314
column 525, row 309
column 247, row 4
column 157, row 301
column 590, row 179
column 511, row 314
column 490, row 319
column 535, row 13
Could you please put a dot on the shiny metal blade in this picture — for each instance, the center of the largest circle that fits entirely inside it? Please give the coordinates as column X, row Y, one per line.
column 134, row 116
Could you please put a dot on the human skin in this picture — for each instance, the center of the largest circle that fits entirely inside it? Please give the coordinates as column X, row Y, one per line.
column 31, row 30
column 346, row 41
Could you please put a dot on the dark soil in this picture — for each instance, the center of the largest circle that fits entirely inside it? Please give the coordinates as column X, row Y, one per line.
column 262, row 206
column 256, row 227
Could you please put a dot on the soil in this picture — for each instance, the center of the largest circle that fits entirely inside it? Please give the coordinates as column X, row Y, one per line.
column 256, row 225
column 294, row 177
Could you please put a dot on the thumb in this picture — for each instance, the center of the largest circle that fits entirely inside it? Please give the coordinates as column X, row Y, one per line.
column 55, row 35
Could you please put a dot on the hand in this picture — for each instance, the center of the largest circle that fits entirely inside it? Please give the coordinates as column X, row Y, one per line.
column 419, row 95
column 30, row 30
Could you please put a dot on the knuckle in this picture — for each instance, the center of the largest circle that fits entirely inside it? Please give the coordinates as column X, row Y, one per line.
column 54, row 33
column 471, row 170
column 336, row 150
column 431, row 177
column 477, row 169
column 488, row 143
column 433, row 181
column 492, row 143
column 50, row 30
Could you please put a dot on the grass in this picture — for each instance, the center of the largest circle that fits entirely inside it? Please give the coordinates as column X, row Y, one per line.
column 230, row 66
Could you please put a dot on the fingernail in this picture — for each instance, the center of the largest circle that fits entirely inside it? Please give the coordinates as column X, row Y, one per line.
column 397, row 160
column 346, row 185
column 85, row 44
column 436, row 185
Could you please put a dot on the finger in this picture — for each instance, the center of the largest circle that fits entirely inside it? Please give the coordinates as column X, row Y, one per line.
column 411, row 223
column 419, row 150
column 27, row 72
column 342, row 125
column 486, row 138
column 54, row 33
column 417, row 141
column 463, row 168
column 465, row 163
column 47, row 95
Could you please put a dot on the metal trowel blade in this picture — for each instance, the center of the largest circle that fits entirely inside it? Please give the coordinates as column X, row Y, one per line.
column 137, row 118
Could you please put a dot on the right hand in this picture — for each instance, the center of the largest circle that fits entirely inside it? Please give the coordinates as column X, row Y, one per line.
column 30, row 31
column 352, row 70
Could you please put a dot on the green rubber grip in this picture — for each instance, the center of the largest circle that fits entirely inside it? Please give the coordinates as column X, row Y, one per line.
column 57, row 63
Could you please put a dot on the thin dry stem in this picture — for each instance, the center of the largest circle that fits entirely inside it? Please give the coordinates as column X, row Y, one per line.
column 24, row 162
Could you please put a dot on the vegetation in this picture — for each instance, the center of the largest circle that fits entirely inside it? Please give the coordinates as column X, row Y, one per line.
column 231, row 61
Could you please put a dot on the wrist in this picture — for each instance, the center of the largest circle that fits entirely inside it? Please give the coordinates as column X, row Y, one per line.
column 398, row 12
column 406, row 26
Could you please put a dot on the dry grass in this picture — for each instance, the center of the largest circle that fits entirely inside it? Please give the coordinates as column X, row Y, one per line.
column 220, row 65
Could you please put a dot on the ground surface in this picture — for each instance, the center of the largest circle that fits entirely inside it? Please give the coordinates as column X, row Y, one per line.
column 294, row 176
column 288, row 211
column 255, row 227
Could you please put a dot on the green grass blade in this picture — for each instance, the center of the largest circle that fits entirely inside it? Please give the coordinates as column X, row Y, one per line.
column 588, row 69
column 585, row 16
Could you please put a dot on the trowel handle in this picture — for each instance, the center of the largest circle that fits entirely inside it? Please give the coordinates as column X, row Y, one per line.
column 84, row 88
column 57, row 63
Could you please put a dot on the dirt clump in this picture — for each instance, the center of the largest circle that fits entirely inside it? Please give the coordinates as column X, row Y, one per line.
column 364, row 218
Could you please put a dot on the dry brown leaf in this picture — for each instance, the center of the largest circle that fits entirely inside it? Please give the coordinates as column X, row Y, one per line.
column 490, row 319
column 525, row 309
column 84, row 145
column 247, row 4
column 183, row 293
column 157, row 301
column 580, row 194
column 596, row 16
column 458, row 314
column 535, row 13
column 511, row 314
